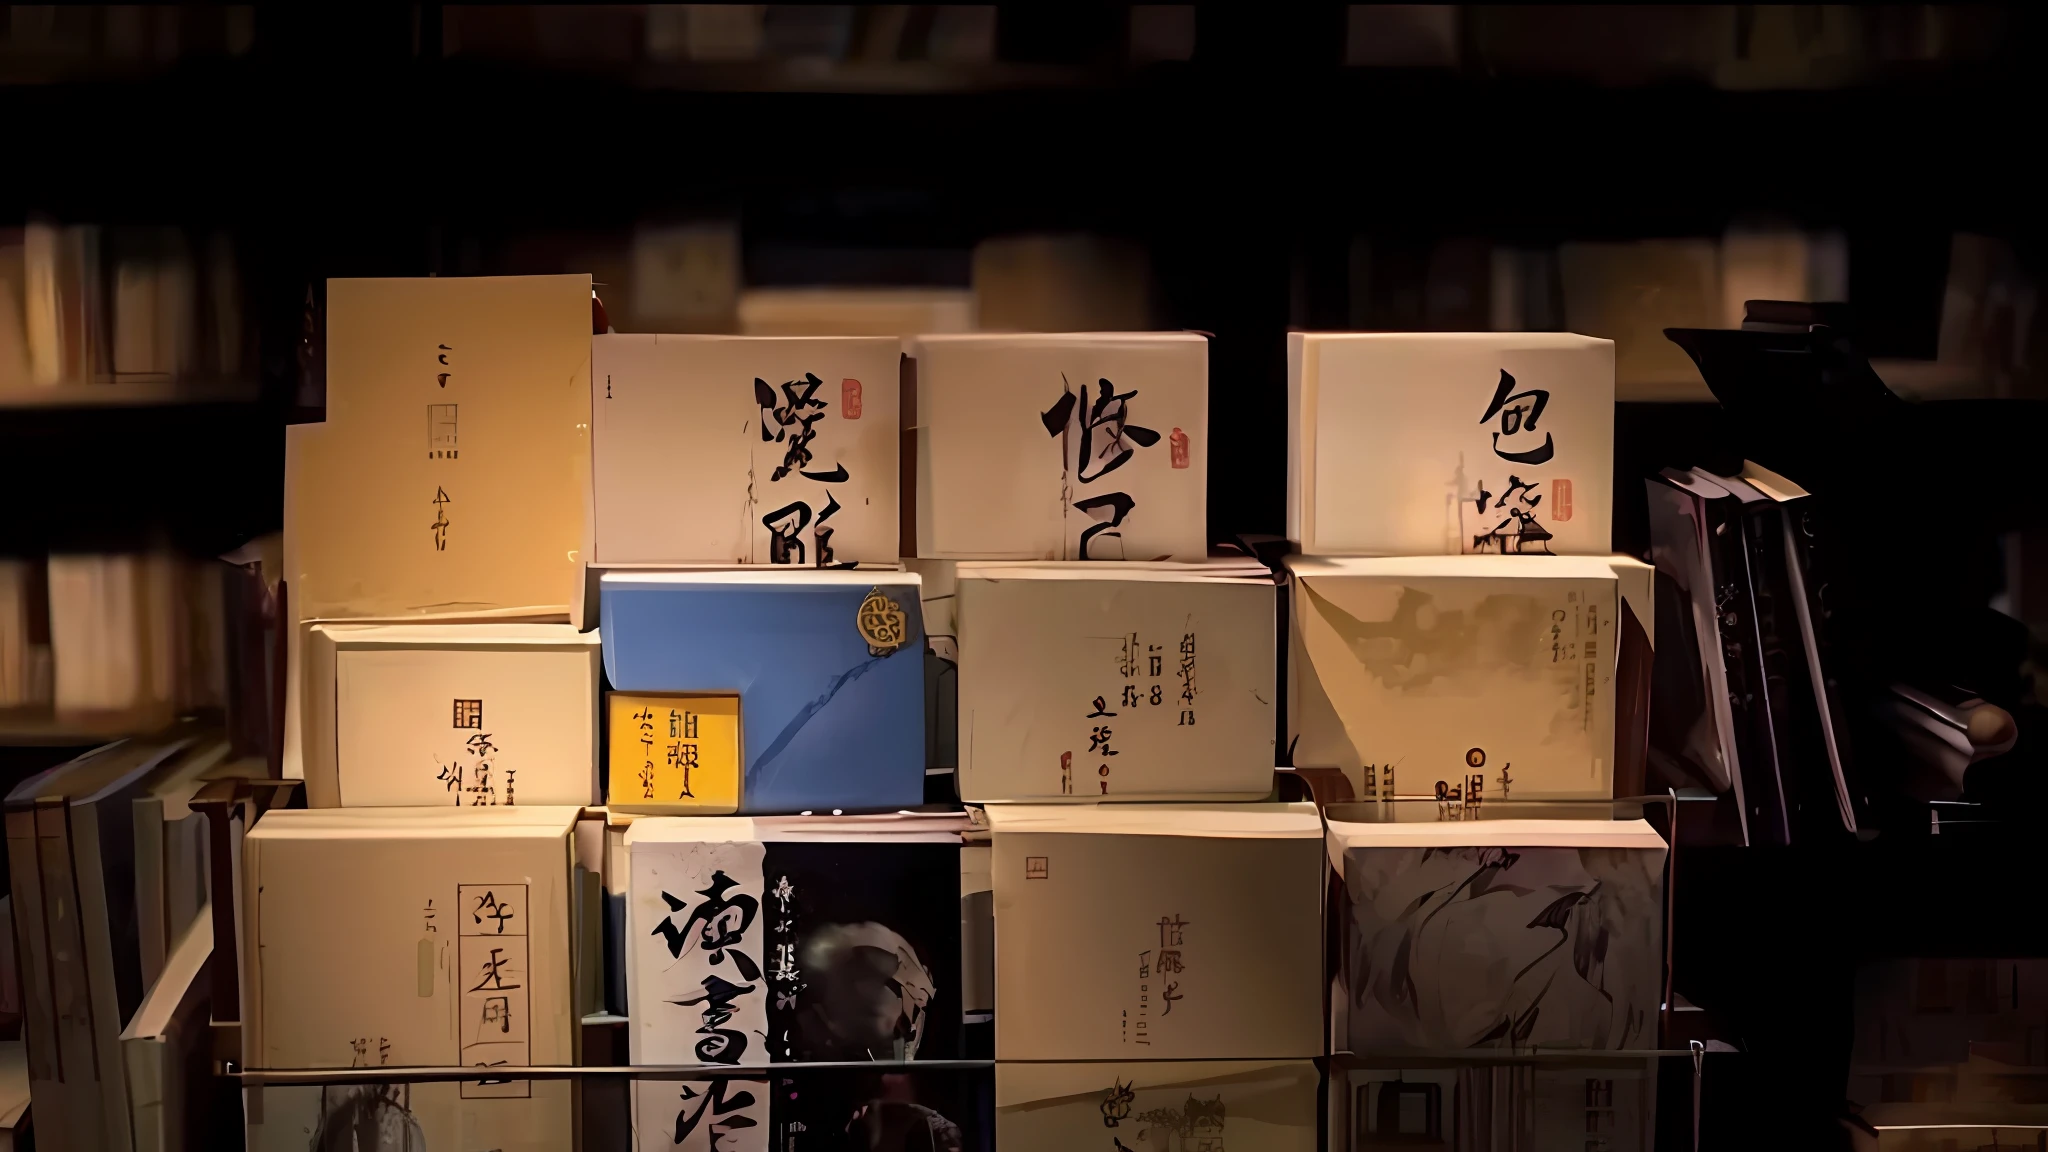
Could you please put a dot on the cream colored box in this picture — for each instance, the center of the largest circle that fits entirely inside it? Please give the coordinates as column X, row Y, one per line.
column 1255, row 1104
column 448, row 478
column 413, row 938
column 1126, row 681
column 1158, row 931
column 1407, row 671
column 1077, row 446
column 1427, row 443
column 451, row 477
column 744, row 449
column 455, row 715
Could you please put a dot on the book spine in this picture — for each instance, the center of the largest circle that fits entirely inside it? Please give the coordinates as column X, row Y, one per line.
column 101, row 921
column 81, row 1123
column 39, row 1000
column 1741, row 653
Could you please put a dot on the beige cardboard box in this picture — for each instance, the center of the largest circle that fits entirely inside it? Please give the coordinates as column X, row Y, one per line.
column 1158, row 931
column 457, row 715
column 1426, row 443
column 1132, row 682
column 411, row 938
column 1076, row 446
column 451, row 477
column 1443, row 668
column 744, row 449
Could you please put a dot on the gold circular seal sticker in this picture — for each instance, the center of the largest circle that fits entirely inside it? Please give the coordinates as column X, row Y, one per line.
column 882, row 624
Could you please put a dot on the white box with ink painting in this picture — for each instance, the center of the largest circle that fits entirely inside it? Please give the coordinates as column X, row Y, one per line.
column 1133, row 681
column 450, row 715
column 1407, row 671
column 724, row 450
column 1158, row 931
column 1060, row 446
column 1427, row 443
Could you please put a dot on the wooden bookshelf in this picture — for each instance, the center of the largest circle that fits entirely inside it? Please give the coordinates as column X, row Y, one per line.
column 141, row 393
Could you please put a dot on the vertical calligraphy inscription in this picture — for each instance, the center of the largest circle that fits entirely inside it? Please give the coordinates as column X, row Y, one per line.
column 710, row 971
column 470, row 775
column 1506, row 522
column 1096, row 438
column 793, row 423
column 441, row 444
column 493, row 973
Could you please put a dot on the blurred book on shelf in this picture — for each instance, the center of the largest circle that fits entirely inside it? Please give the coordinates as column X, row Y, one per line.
column 905, row 313
column 1947, row 1047
column 683, row 278
column 1071, row 283
column 1991, row 317
column 92, row 315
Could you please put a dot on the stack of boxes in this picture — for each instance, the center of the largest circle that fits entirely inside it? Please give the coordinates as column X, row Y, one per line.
column 764, row 597
column 426, row 910
column 1462, row 641
column 1157, row 925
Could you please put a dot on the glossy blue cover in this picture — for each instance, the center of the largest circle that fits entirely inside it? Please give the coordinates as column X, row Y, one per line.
column 825, row 722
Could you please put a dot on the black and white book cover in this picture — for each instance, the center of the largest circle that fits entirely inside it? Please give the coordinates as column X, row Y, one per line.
column 757, row 942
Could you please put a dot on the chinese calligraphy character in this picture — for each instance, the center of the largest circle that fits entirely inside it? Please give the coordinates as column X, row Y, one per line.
column 441, row 523
column 1187, row 679
column 1170, row 996
column 720, row 1045
column 441, row 427
column 441, row 357
column 498, row 1010
column 1518, row 417
column 644, row 718
column 718, row 924
column 1100, row 705
column 1116, row 1103
column 1170, row 930
column 493, row 973
column 488, row 907
column 469, row 714
column 1518, row 531
column 1098, row 740
column 1105, row 443
column 720, row 1105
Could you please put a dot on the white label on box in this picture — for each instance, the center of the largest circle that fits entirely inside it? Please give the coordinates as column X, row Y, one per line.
column 1439, row 444
column 734, row 450
column 476, row 728
column 1063, row 450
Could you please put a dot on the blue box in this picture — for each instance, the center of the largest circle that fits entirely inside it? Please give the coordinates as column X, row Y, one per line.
column 828, row 665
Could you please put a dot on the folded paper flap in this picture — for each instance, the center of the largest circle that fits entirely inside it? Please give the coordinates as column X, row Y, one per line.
column 1475, row 567
column 1566, row 340
column 1217, row 570
column 424, row 635
column 1250, row 821
column 903, row 828
column 431, row 823
column 1497, row 834
column 760, row 341
column 1024, row 339
column 795, row 579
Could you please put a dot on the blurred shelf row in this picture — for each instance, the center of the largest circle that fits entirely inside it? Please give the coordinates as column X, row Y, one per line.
column 955, row 48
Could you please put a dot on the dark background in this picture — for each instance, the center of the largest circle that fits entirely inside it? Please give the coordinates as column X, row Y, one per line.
column 355, row 140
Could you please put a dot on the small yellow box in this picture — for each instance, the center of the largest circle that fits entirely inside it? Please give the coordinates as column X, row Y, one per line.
column 671, row 752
